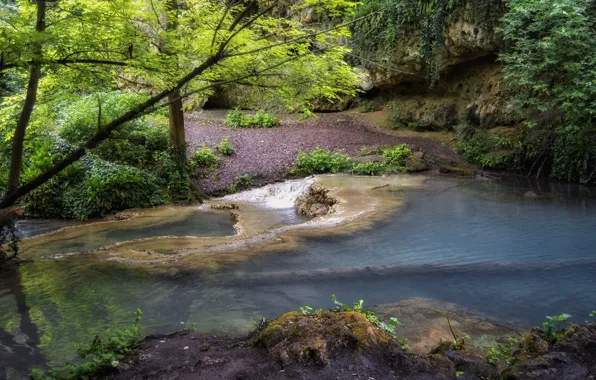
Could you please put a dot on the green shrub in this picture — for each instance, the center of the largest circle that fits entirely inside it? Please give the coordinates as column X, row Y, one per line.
column 261, row 119
column 367, row 106
column 93, row 188
column 555, row 327
column 323, row 161
column 237, row 119
column 397, row 156
column 102, row 356
column 225, row 147
column 205, row 157
column 549, row 62
column 368, row 168
column 177, row 179
column 264, row 120
column 242, row 182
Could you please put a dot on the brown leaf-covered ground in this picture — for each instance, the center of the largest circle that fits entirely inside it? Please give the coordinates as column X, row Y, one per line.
column 267, row 155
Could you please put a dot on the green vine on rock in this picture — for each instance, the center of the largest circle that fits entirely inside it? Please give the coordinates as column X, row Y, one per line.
column 391, row 21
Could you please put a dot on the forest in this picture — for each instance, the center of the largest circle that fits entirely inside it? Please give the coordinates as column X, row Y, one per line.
column 120, row 116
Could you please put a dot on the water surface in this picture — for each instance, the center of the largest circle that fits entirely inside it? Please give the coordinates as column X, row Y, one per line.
column 514, row 251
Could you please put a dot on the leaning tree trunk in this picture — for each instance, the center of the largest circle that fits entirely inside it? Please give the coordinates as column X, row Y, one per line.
column 177, row 135
column 18, row 141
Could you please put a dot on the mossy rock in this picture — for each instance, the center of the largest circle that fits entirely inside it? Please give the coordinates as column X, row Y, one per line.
column 464, row 172
column 295, row 337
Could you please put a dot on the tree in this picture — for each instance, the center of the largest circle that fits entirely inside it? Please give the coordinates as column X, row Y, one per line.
column 225, row 43
column 550, row 64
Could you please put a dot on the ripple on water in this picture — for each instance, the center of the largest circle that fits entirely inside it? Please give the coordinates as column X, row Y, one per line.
column 485, row 246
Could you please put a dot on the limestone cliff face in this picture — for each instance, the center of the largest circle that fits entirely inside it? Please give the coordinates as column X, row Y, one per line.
column 470, row 78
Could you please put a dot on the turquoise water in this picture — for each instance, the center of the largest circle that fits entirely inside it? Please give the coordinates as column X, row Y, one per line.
column 492, row 247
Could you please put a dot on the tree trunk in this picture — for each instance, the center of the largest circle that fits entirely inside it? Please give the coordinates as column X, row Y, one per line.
column 18, row 141
column 177, row 135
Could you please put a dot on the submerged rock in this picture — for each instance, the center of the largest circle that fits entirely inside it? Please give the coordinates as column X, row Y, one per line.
column 424, row 324
column 315, row 202
column 224, row 206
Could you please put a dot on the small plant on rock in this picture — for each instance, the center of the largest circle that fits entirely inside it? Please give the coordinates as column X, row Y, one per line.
column 497, row 353
column 309, row 311
column 555, row 327
column 205, row 157
column 593, row 314
column 241, row 182
column 225, row 147
column 389, row 326
column 459, row 342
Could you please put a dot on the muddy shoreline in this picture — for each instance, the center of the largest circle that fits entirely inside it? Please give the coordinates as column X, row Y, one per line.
column 344, row 345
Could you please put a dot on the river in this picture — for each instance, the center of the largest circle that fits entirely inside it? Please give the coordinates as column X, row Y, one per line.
column 513, row 250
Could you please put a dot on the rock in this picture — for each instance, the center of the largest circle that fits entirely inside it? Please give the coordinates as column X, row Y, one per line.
column 367, row 83
column 471, row 365
column 573, row 358
column 296, row 337
column 315, row 202
column 224, row 206
column 416, row 162
column 125, row 215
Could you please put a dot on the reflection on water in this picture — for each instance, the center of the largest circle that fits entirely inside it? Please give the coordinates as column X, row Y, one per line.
column 509, row 250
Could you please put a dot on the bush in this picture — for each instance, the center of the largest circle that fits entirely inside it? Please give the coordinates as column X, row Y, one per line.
column 323, row 161
column 398, row 155
column 242, row 182
column 238, row 119
column 368, row 168
column 177, row 179
column 225, row 147
column 93, row 188
column 205, row 157
column 367, row 106
column 550, row 65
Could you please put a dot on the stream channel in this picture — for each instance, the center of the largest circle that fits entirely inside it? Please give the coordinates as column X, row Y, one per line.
column 513, row 250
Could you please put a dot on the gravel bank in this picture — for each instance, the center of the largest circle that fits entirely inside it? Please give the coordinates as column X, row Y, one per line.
column 267, row 155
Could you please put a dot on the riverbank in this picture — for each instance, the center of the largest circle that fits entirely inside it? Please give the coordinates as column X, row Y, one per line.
column 268, row 155
column 347, row 345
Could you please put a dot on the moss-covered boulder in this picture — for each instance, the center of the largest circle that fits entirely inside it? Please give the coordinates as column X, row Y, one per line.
column 295, row 337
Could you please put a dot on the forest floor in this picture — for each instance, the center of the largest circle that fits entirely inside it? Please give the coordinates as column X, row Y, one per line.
column 267, row 155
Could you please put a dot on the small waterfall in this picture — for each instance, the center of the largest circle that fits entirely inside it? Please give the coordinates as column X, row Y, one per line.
column 276, row 195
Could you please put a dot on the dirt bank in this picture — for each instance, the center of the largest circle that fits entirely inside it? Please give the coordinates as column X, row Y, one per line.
column 267, row 155
column 346, row 345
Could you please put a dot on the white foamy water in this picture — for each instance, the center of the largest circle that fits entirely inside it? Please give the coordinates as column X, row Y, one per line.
column 276, row 195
